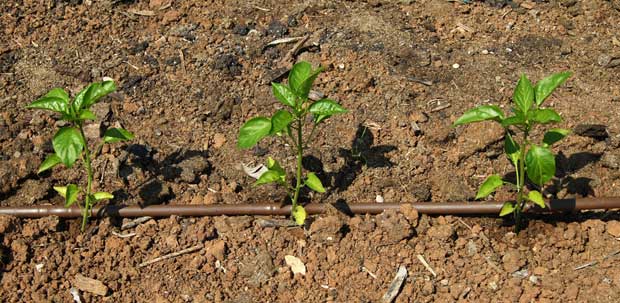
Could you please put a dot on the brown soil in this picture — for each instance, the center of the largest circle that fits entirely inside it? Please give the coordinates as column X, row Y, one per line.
column 190, row 73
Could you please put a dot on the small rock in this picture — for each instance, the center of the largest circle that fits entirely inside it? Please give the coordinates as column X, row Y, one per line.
column 441, row 232
column 219, row 140
column 512, row 260
column 522, row 274
column 493, row 285
column 613, row 228
column 217, row 249
column 277, row 29
column 610, row 160
column 257, row 269
column 534, row 279
column 456, row 65
column 379, row 199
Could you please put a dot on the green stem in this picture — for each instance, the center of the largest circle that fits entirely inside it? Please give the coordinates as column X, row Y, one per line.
column 89, row 170
column 300, row 154
column 521, row 181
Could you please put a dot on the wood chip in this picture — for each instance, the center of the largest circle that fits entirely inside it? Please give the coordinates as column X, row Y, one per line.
column 146, row 13
column 394, row 288
column 90, row 285
column 135, row 222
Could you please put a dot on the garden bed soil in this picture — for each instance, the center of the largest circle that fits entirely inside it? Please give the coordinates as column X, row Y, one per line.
column 189, row 73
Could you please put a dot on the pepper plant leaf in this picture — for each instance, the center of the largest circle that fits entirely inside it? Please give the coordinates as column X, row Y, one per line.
column 92, row 93
column 301, row 77
column 113, row 135
column 539, row 164
column 524, row 94
column 253, row 131
column 280, row 121
column 71, row 194
column 51, row 161
column 481, row 113
column 554, row 135
column 101, row 195
column 511, row 148
column 299, row 214
column 68, row 144
column 268, row 177
column 536, row 197
column 544, row 116
column 284, row 94
column 546, row 86
column 53, row 103
column 507, row 208
column 314, row 183
column 489, row 186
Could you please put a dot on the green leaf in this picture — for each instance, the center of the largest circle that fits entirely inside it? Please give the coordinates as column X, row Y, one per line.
column 58, row 93
column 92, row 93
column 268, row 177
column 489, row 186
column 280, row 121
column 87, row 115
column 284, row 94
column 546, row 86
column 544, row 116
column 49, row 162
column 299, row 214
column 524, row 94
column 275, row 166
column 253, row 131
column 61, row 190
column 326, row 107
column 517, row 119
column 301, row 77
column 507, row 208
column 536, row 197
column 511, row 148
column 103, row 196
column 68, row 144
column 481, row 113
column 539, row 164
column 314, row 183
column 113, row 135
column 52, row 103
column 554, row 135
column 71, row 194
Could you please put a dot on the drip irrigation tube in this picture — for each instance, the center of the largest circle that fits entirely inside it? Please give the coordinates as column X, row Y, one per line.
column 275, row 209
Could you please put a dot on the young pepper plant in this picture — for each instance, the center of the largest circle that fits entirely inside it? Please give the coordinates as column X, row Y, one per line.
column 289, row 125
column 536, row 161
column 70, row 143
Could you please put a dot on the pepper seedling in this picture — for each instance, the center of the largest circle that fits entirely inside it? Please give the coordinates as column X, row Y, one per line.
column 70, row 143
column 289, row 125
column 536, row 161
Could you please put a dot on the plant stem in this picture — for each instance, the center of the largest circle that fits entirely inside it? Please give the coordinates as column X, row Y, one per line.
column 89, row 170
column 300, row 154
column 520, row 182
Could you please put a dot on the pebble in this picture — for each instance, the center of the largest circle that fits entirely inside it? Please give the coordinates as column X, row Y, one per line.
column 379, row 199
column 485, row 52
column 455, row 65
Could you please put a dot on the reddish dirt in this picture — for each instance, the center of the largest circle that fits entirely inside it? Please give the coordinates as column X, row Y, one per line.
column 190, row 73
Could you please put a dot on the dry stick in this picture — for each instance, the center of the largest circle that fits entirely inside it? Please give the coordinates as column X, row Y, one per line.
column 596, row 262
column 428, row 267
column 128, row 235
column 394, row 287
column 172, row 255
column 289, row 56
column 135, row 222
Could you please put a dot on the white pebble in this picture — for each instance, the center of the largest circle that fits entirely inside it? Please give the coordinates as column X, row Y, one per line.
column 379, row 199
column 455, row 65
column 485, row 52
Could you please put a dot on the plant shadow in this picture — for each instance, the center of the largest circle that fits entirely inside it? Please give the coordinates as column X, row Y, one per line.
column 362, row 153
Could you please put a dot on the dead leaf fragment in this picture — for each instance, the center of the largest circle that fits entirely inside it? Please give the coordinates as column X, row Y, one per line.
column 297, row 267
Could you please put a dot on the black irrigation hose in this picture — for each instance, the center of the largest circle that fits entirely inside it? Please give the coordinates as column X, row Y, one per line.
column 275, row 209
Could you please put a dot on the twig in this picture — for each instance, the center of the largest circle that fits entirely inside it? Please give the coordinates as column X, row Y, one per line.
column 261, row 8
column 364, row 269
column 395, row 286
column 425, row 82
column 442, row 107
column 182, row 61
column 286, row 61
column 135, row 222
column 128, row 235
column 283, row 40
column 596, row 261
column 428, row 267
column 172, row 255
